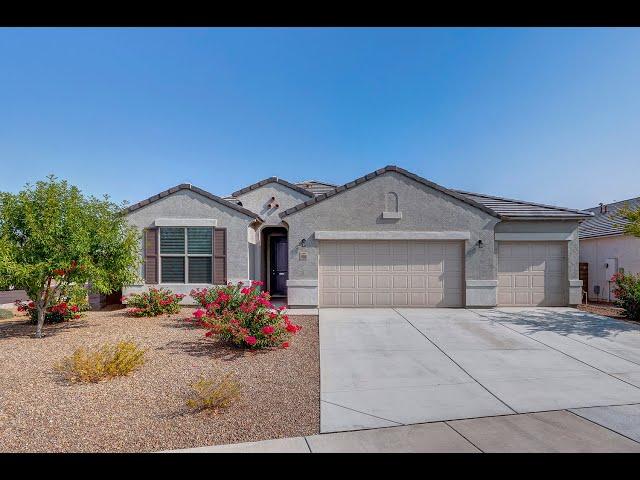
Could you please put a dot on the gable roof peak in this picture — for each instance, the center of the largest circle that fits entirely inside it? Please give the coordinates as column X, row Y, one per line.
column 200, row 191
column 268, row 180
column 382, row 171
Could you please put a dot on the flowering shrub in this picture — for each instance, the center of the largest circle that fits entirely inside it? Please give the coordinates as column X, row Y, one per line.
column 627, row 294
column 243, row 316
column 153, row 303
column 60, row 312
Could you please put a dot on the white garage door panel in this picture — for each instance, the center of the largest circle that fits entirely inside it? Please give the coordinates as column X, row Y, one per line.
column 532, row 273
column 373, row 273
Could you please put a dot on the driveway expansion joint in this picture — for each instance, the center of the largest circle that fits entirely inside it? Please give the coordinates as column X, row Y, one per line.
column 600, row 424
column 456, row 363
column 560, row 351
column 361, row 412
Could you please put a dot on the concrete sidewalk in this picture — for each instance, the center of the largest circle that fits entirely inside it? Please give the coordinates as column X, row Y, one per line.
column 555, row 431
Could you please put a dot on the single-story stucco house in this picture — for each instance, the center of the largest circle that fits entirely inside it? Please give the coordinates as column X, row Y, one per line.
column 389, row 238
column 605, row 250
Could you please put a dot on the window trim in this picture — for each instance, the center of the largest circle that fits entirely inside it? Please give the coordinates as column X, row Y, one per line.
column 184, row 255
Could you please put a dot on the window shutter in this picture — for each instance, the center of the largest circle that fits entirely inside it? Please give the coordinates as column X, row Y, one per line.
column 219, row 256
column 151, row 255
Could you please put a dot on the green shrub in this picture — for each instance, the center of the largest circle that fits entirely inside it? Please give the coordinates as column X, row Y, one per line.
column 243, row 316
column 5, row 314
column 627, row 293
column 214, row 395
column 76, row 295
column 107, row 361
column 153, row 303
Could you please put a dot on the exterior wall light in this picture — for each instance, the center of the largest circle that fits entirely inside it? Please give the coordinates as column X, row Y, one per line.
column 303, row 243
column 480, row 244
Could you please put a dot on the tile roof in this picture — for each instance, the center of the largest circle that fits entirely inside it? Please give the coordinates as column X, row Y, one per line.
column 266, row 181
column 605, row 224
column 316, row 187
column 509, row 208
column 388, row 168
column 204, row 193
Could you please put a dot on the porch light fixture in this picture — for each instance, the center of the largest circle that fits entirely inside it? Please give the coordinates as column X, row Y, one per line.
column 303, row 243
column 480, row 244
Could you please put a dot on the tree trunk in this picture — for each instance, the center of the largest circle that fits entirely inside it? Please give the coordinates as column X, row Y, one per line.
column 41, row 305
column 41, row 312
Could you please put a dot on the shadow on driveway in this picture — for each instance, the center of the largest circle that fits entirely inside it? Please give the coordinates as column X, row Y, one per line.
column 562, row 322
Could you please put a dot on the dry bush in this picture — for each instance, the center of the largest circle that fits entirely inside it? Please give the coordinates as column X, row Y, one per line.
column 107, row 361
column 214, row 395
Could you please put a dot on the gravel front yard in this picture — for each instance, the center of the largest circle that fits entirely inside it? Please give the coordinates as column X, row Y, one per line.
column 40, row 412
column 604, row 309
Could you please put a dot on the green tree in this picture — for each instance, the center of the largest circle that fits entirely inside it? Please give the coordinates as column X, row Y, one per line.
column 51, row 235
column 632, row 216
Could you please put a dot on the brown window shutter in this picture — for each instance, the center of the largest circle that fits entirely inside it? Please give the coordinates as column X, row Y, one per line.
column 151, row 255
column 219, row 256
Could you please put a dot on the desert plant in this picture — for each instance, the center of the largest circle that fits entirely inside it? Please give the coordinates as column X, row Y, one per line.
column 214, row 395
column 627, row 293
column 153, row 302
column 51, row 236
column 107, row 361
column 5, row 314
column 243, row 316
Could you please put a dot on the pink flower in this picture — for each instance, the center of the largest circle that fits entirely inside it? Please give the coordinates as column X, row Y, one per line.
column 198, row 313
column 251, row 341
column 256, row 283
column 245, row 291
column 267, row 330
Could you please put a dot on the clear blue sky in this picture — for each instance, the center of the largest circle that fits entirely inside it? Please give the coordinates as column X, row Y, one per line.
column 548, row 115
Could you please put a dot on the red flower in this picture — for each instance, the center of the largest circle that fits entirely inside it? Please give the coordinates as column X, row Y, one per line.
column 198, row 313
column 74, row 308
column 267, row 330
column 209, row 333
column 285, row 345
column 251, row 341
column 293, row 328
column 246, row 291
column 60, row 272
column 256, row 283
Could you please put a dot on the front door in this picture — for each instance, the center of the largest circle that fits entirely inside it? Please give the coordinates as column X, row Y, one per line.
column 279, row 265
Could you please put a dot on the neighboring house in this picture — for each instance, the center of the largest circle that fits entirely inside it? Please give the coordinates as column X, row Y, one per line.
column 390, row 238
column 604, row 249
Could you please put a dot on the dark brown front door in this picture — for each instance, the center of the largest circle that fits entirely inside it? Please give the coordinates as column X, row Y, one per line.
column 279, row 265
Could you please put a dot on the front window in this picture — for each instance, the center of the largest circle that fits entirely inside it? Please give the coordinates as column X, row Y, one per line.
column 186, row 254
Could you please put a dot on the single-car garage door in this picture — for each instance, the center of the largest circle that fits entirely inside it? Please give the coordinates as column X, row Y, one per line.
column 532, row 273
column 377, row 273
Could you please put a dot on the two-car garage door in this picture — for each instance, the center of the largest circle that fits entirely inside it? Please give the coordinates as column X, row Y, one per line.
column 380, row 273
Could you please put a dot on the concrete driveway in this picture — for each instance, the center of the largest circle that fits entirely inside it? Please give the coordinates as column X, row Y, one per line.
column 390, row 367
